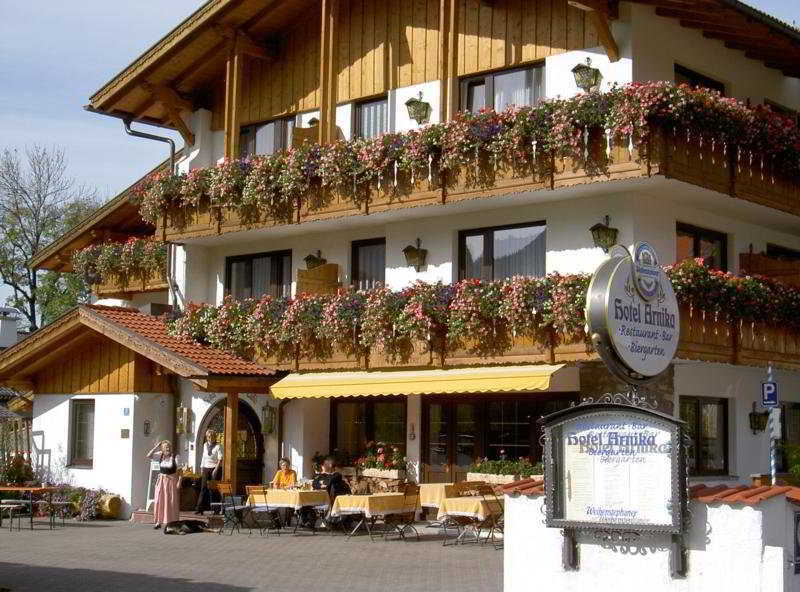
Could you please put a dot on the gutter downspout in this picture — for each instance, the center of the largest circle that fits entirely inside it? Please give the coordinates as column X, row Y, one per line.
column 170, row 247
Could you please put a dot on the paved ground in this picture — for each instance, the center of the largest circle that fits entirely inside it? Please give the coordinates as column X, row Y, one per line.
column 118, row 556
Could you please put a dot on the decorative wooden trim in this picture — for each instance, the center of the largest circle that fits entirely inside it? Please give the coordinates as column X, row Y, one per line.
column 173, row 104
column 448, row 49
column 328, row 74
column 233, row 90
column 598, row 13
column 244, row 43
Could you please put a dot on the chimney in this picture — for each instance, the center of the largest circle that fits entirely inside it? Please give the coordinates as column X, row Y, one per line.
column 8, row 326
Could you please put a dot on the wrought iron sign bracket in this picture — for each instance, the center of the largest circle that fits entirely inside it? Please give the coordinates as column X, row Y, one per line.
column 569, row 550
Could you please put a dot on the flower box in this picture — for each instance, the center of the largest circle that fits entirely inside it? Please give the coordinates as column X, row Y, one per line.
column 492, row 478
column 384, row 473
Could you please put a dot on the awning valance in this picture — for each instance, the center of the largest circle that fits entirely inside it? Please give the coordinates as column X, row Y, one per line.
column 498, row 379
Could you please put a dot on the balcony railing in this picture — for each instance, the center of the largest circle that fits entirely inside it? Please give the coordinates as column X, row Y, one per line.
column 787, row 272
column 117, row 285
column 675, row 153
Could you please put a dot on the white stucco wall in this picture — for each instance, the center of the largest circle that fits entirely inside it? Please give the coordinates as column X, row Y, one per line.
column 736, row 548
column 306, row 431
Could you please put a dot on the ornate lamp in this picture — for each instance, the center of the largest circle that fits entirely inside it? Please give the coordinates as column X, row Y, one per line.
column 603, row 235
column 758, row 421
column 418, row 110
column 586, row 77
column 314, row 260
column 415, row 256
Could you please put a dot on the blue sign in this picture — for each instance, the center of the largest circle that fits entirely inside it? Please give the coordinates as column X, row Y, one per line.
column 769, row 394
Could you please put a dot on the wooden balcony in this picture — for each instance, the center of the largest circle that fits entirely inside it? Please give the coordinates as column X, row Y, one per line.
column 704, row 336
column 118, row 286
column 787, row 272
column 674, row 153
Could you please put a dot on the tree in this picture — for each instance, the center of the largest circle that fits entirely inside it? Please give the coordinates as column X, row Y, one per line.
column 38, row 203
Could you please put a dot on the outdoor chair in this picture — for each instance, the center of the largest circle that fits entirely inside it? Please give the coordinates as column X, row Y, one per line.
column 461, row 524
column 494, row 519
column 232, row 507
column 259, row 514
column 13, row 510
column 404, row 521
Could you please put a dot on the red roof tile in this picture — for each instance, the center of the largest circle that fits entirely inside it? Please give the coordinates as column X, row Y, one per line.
column 154, row 330
column 531, row 486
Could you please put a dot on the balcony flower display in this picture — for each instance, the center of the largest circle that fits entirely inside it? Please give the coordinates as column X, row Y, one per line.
column 277, row 184
column 135, row 258
column 383, row 461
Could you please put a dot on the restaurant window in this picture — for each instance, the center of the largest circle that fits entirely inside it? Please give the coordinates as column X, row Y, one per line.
column 502, row 252
column 368, row 262
column 700, row 243
column 783, row 253
column 790, row 439
column 707, row 424
column 266, row 138
column 694, row 79
column 355, row 423
column 253, row 276
column 81, row 432
column 371, row 118
column 498, row 90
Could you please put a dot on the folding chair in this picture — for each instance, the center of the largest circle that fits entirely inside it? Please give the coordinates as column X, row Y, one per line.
column 232, row 507
column 494, row 518
column 461, row 524
column 404, row 521
column 259, row 513
column 13, row 510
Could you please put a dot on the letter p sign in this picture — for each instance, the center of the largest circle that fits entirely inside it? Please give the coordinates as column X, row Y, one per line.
column 769, row 394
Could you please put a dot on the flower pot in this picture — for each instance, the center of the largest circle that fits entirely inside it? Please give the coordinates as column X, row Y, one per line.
column 384, row 473
column 492, row 478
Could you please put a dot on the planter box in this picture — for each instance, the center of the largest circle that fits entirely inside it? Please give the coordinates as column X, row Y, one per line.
column 384, row 473
column 492, row 478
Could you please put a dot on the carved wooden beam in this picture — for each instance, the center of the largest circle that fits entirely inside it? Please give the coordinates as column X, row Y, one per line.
column 244, row 43
column 598, row 13
column 172, row 104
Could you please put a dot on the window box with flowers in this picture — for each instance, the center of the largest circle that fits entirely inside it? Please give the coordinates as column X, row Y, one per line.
column 499, row 472
column 137, row 265
column 382, row 461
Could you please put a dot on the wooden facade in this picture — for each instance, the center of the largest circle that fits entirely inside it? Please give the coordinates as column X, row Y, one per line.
column 381, row 46
column 101, row 366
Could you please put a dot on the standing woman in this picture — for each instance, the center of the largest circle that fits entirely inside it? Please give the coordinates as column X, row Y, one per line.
column 211, row 468
column 166, row 507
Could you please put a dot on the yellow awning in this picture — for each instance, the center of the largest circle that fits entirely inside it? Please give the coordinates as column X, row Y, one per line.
column 498, row 379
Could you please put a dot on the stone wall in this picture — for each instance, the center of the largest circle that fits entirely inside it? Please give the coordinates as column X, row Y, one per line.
column 596, row 380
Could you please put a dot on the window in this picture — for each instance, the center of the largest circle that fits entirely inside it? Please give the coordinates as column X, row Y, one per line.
column 783, row 253
column 790, row 424
column 371, row 118
column 252, row 276
column 696, row 80
column 700, row 243
column 503, row 252
column 368, row 263
column 707, row 424
column 498, row 90
column 355, row 423
column 266, row 138
column 81, row 432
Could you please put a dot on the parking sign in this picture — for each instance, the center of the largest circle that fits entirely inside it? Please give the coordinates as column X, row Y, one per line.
column 769, row 394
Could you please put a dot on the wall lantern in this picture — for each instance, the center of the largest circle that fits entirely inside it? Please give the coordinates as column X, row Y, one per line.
column 586, row 77
column 603, row 235
column 314, row 260
column 418, row 110
column 415, row 256
column 758, row 421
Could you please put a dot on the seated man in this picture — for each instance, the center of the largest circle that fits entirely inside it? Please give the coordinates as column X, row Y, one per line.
column 331, row 481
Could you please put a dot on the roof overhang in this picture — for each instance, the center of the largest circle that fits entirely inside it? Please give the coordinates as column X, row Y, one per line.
column 24, row 360
column 484, row 380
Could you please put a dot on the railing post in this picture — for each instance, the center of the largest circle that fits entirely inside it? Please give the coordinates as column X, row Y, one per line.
column 732, row 160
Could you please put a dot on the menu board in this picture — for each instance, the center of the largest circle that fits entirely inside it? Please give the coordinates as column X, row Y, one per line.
column 616, row 469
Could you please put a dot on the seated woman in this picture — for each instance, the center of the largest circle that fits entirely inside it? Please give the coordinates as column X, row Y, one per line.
column 285, row 477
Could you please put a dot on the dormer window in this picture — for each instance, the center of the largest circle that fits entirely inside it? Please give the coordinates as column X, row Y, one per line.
column 266, row 138
column 497, row 90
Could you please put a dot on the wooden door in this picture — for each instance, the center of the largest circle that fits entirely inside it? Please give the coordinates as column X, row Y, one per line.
column 452, row 440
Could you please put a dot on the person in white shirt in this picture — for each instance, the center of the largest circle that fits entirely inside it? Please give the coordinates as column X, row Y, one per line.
column 211, row 468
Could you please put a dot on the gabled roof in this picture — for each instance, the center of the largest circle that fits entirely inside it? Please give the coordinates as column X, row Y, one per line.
column 209, row 368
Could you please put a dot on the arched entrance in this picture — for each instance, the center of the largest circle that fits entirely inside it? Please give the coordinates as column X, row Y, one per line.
column 250, row 449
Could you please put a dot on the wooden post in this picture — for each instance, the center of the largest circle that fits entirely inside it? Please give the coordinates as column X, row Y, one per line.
column 231, row 436
column 233, row 94
column 448, row 48
column 328, row 73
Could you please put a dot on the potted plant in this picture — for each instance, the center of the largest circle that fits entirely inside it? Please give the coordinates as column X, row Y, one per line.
column 383, row 461
column 503, row 471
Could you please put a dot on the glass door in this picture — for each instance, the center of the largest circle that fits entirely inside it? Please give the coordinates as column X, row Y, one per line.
column 437, row 451
column 466, row 439
column 452, row 440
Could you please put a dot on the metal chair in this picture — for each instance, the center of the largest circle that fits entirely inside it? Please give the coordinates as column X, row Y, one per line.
column 461, row 524
column 404, row 521
column 232, row 507
column 14, row 511
column 494, row 518
column 259, row 513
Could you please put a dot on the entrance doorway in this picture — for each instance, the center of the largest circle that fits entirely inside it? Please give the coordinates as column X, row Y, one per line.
column 250, row 445
column 460, row 430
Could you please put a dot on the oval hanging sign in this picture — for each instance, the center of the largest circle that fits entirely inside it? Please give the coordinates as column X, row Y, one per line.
column 632, row 314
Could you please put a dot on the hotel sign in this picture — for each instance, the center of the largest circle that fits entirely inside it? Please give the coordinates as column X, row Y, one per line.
column 632, row 314
column 614, row 467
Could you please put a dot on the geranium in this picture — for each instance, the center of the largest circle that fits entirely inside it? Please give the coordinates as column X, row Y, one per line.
column 135, row 258
column 342, row 319
column 155, row 193
column 301, row 333
column 474, row 318
column 195, row 187
column 425, row 314
column 568, row 302
column 379, row 329
column 226, row 182
column 527, row 302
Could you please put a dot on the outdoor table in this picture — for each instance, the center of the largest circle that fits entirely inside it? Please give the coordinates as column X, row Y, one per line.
column 37, row 489
column 470, row 507
column 432, row 494
column 369, row 506
column 290, row 498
